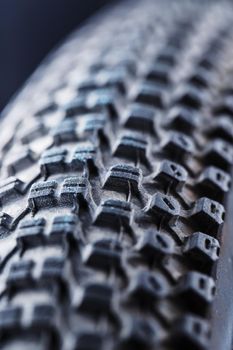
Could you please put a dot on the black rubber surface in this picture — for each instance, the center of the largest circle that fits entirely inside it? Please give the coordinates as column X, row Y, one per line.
column 116, row 162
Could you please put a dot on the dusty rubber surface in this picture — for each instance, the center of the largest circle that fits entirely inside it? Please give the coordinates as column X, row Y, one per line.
column 115, row 165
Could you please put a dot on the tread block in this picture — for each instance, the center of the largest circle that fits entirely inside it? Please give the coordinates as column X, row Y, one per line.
column 197, row 290
column 42, row 194
column 208, row 215
column 159, row 73
column 225, row 106
column 31, row 232
column 190, row 97
column 88, row 84
column 23, row 160
column 63, row 227
column 214, row 183
column 53, row 161
column 94, row 122
column 220, row 154
column 46, row 109
column 167, row 55
column 154, row 245
column 43, row 315
column 182, row 119
column 20, row 273
column 113, row 78
column 74, row 188
column 201, row 78
column 84, row 155
column 140, row 117
column 113, row 213
column 122, row 177
column 202, row 248
column 10, row 188
column 34, row 132
column 5, row 221
column 104, row 255
column 65, row 132
column 88, row 341
column 150, row 94
column 103, row 100
column 178, row 146
column 138, row 333
column 171, row 175
column 52, row 268
column 76, row 107
column 96, row 298
column 191, row 332
column 10, row 318
column 132, row 146
column 162, row 206
column 147, row 287
column 221, row 128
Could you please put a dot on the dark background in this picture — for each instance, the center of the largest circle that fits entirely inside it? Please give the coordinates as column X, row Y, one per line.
column 28, row 31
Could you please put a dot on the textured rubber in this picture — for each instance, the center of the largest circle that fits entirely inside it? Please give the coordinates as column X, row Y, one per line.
column 115, row 164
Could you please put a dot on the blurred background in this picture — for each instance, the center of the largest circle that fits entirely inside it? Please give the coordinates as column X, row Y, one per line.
column 29, row 29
